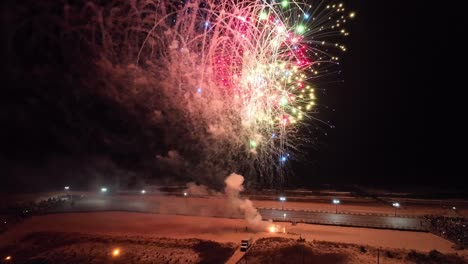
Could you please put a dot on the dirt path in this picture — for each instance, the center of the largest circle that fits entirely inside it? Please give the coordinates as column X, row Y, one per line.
column 216, row 229
column 238, row 254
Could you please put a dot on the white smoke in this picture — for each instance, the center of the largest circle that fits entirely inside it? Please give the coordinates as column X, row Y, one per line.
column 195, row 189
column 234, row 186
column 173, row 158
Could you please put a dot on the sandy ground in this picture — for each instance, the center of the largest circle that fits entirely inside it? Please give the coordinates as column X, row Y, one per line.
column 283, row 250
column 216, row 229
column 77, row 248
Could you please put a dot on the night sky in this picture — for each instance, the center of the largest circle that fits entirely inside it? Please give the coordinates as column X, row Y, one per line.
column 384, row 110
column 382, row 134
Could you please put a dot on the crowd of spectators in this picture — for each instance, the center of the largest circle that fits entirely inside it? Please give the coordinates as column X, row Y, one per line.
column 17, row 213
column 454, row 229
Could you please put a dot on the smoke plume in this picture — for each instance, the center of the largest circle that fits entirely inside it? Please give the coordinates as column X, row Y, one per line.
column 234, row 186
column 195, row 189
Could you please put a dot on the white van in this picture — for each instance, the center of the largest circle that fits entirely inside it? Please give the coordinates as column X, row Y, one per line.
column 245, row 244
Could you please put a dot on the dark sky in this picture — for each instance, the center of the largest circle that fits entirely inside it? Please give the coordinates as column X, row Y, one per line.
column 384, row 111
column 386, row 115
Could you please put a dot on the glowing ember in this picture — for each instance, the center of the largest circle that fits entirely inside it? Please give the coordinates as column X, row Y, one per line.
column 273, row 229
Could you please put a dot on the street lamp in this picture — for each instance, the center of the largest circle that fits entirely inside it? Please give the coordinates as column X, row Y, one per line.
column 67, row 188
column 143, row 191
column 103, row 189
column 336, row 202
column 284, row 224
column 396, row 205
column 186, row 200
column 282, row 200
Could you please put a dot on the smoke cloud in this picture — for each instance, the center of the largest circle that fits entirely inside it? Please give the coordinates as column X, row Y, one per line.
column 195, row 189
column 234, row 186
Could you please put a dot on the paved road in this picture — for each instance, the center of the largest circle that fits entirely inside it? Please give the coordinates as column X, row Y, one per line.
column 390, row 222
column 236, row 257
column 137, row 204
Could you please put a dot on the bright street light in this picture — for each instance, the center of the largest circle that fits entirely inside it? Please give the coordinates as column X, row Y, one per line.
column 282, row 200
column 336, row 202
column 396, row 205
column 143, row 191
column 103, row 189
column 185, row 193
column 67, row 188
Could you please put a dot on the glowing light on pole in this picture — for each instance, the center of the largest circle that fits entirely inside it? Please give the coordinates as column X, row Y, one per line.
column 336, row 202
column 396, row 205
column 282, row 200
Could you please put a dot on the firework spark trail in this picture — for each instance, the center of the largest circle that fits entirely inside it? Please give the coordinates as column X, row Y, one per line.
column 232, row 80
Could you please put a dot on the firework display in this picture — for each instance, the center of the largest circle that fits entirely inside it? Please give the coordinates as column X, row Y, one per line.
column 231, row 82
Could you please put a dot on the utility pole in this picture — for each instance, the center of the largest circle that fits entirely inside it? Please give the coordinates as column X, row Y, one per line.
column 378, row 255
column 302, row 255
